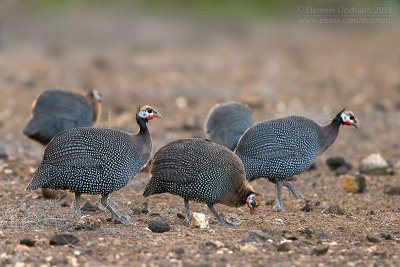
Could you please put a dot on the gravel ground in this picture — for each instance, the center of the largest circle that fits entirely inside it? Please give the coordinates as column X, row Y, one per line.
column 182, row 70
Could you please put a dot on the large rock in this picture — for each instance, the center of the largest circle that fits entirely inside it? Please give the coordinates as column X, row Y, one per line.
column 374, row 164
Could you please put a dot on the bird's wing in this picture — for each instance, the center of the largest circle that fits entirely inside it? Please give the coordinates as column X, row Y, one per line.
column 173, row 163
column 265, row 144
column 79, row 147
column 172, row 171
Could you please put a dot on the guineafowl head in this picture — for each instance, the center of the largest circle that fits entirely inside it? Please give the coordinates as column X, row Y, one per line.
column 347, row 118
column 95, row 96
column 251, row 202
column 147, row 113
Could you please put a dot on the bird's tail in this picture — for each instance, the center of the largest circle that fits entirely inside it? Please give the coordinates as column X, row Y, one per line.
column 153, row 187
column 31, row 128
column 39, row 180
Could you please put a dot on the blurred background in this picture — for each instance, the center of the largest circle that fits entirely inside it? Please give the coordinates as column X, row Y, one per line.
column 280, row 57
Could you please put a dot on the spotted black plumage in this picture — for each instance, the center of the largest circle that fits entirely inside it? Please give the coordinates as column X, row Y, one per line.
column 94, row 161
column 280, row 148
column 226, row 122
column 56, row 110
column 199, row 170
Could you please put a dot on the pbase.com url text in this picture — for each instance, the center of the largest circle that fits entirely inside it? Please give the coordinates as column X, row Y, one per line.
column 328, row 20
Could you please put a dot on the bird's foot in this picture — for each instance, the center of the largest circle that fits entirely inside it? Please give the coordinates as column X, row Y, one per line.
column 189, row 221
column 122, row 220
column 278, row 207
column 223, row 223
column 293, row 189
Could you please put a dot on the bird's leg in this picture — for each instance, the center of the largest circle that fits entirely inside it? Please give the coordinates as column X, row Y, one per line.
column 187, row 209
column 221, row 222
column 293, row 189
column 116, row 217
column 78, row 205
column 279, row 205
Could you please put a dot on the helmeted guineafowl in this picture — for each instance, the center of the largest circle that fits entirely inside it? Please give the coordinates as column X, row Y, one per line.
column 95, row 161
column 280, row 148
column 203, row 171
column 56, row 110
column 226, row 122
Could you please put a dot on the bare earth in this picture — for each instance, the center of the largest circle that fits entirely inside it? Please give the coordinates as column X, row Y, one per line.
column 182, row 70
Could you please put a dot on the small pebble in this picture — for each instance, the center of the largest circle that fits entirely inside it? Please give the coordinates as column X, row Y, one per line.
column 27, row 242
column 373, row 238
column 248, row 248
column 199, row 220
column 283, row 247
column 63, row 239
column 87, row 222
column 335, row 162
column 320, row 250
column 307, row 207
column 278, row 221
column 65, row 204
column 387, row 237
column 90, row 207
column 391, row 190
column 256, row 235
column 211, row 244
column 232, row 221
column 374, row 164
column 335, row 209
column 159, row 225
column 343, row 169
column 353, row 184
column 181, row 216
column 143, row 209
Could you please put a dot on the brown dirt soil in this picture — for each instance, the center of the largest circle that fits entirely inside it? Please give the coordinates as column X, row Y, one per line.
column 312, row 73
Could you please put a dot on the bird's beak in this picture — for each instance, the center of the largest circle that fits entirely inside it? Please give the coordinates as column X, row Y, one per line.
column 355, row 124
column 157, row 114
column 252, row 211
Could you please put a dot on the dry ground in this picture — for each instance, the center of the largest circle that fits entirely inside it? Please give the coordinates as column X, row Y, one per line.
column 183, row 70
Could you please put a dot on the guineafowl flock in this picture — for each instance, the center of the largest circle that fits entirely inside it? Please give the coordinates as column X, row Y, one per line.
column 86, row 160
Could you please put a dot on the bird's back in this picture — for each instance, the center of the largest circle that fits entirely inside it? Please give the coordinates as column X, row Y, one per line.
column 55, row 111
column 89, row 160
column 279, row 148
column 226, row 123
column 195, row 169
